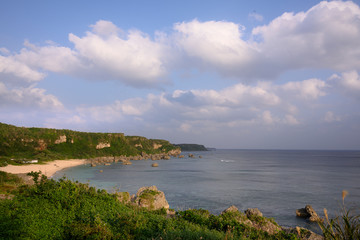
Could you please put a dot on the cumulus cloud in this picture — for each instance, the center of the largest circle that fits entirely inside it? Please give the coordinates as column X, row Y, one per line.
column 105, row 53
column 307, row 89
column 12, row 70
column 29, row 97
column 214, row 44
column 348, row 83
column 326, row 36
column 135, row 59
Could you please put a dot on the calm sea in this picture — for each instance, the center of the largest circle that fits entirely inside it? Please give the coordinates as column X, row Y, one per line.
column 276, row 181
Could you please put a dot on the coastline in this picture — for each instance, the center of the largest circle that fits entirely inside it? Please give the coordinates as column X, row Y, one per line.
column 48, row 169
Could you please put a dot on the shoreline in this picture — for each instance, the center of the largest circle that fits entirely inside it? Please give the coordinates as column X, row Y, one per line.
column 48, row 169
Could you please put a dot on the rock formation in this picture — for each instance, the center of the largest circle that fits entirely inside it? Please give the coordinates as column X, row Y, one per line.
column 151, row 197
column 61, row 139
column 308, row 212
column 103, row 145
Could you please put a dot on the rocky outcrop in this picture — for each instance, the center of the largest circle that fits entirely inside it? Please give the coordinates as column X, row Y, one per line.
column 157, row 146
column 309, row 213
column 103, row 145
column 253, row 212
column 42, row 145
column 303, row 233
column 155, row 165
column 151, row 198
column 232, row 208
column 126, row 160
column 61, row 139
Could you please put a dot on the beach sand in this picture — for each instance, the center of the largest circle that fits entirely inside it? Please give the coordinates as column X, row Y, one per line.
column 47, row 169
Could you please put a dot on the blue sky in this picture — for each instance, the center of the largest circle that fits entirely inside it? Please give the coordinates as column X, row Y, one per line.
column 229, row 74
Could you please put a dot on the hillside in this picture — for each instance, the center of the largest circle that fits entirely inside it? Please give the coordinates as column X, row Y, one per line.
column 43, row 144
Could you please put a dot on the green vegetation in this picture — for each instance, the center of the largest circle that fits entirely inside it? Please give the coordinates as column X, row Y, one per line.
column 345, row 226
column 64, row 209
column 19, row 143
column 191, row 147
column 9, row 182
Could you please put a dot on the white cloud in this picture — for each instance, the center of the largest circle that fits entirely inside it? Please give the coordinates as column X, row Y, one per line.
column 135, row 60
column 348, row 83
column 216, row 45
column 50, row 58
column 30, row 98
column 307, row 89
column 13, row 70
column 326, row 36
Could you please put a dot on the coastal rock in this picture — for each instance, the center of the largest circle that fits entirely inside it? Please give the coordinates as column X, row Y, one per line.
column 190, row 155
column 155, row 165
column 308, row 212
column 151, row 198
column 302, row 213
column 259, row 222
column 305, row 234
column 232, row 208
column 174, row 152
column 166, row 157
column 250, row 212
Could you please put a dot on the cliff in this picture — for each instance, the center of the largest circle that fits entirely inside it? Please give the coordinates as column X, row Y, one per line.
column 20, row 143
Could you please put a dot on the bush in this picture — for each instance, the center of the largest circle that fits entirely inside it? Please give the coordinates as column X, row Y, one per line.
column 63, row 209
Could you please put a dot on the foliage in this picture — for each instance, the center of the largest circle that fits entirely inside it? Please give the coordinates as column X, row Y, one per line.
column 345, row 226
column 9, row 182
column 64, row 209
column 18, row 144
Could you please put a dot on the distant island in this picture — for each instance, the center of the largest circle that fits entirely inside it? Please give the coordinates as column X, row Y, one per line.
column 191, row 147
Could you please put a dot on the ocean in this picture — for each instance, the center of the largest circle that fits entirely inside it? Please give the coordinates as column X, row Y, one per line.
column 276, row 181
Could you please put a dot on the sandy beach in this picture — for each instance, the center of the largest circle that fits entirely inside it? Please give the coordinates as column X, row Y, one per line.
column 47, row 169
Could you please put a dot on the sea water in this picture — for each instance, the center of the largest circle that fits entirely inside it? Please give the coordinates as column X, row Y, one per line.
column 276, row 181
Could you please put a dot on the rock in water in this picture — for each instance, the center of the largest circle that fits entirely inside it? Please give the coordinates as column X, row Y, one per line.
column 151, row 198
column 308, row 212
column 155, row 165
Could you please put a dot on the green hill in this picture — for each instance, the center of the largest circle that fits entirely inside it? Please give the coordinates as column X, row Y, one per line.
column 44, row 144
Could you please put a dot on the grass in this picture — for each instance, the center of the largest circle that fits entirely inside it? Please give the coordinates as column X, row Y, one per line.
column 9, row 182
column 344, row 226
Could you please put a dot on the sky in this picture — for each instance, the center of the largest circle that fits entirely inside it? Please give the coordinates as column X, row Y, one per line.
column 280, row 74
